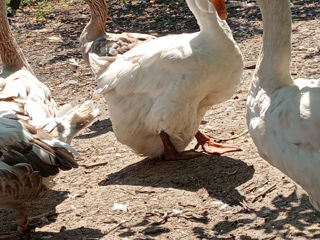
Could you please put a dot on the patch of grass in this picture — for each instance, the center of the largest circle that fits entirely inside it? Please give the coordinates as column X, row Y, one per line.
column 28, row 2
column 9, row 9
column 44, row 8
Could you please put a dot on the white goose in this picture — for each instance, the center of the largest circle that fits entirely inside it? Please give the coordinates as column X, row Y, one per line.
column 159, row 91
column 283, row 115
column 108, row 45
column 33, row 132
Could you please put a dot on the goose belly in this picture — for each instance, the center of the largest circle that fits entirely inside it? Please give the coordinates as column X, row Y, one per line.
column 138, row 119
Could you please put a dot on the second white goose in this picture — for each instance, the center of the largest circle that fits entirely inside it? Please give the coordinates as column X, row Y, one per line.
column 283, row 115
column 159, row 91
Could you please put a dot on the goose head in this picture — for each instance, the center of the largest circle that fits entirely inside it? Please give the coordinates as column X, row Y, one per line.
column 208, row 7
column 210, row 14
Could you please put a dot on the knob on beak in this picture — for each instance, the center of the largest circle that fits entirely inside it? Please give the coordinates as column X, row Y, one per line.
column 221, row 9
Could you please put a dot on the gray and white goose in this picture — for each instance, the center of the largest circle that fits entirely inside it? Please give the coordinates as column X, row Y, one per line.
column 34, row 133
column 94, row 38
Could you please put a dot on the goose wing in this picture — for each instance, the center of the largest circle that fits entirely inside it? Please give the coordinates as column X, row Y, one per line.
column 147, row 67
column 22, row 143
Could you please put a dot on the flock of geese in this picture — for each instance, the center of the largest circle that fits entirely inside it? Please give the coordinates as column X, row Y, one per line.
column 158, row 91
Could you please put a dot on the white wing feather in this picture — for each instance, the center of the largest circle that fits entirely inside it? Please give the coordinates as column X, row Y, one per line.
column 136, row 71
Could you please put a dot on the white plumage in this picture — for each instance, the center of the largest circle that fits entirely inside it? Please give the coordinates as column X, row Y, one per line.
column 283, row 115
column 168, row 84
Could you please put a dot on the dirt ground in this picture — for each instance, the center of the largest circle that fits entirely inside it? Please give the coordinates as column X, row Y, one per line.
column 235, row 196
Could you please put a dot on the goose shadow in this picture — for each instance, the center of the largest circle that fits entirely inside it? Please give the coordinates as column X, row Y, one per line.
column 219, row 175
column 67, row 234
column 97, row 128
column 41, row 213
column 72, row 234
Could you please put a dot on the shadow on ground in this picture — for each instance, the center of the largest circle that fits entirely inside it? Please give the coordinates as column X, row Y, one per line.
column 72, row 234
column 289, row 217
column 41, row 213
column 98, row 128
column 219, row 175
column 159, row 17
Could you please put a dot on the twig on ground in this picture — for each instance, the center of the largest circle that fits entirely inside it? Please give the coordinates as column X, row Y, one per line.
column 133, row 194
column 94, row 165
column 116, row 226
column 256, row 187
column 144, row 191
column 263, row 194
column 233, row 137
column 46, row 214
column 164, row 219
column 186, row 205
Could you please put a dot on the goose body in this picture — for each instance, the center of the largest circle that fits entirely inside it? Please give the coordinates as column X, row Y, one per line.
column 34, row 134
column 22, row 143
column 168, row 84
column 282, row 113
column 22, row 93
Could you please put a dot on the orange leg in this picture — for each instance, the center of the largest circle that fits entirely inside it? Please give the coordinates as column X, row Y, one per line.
column 22, row 219
column 210, row 147
column 170, row 152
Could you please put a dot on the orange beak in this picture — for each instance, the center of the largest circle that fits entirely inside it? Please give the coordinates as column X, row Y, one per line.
column 220, row 8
